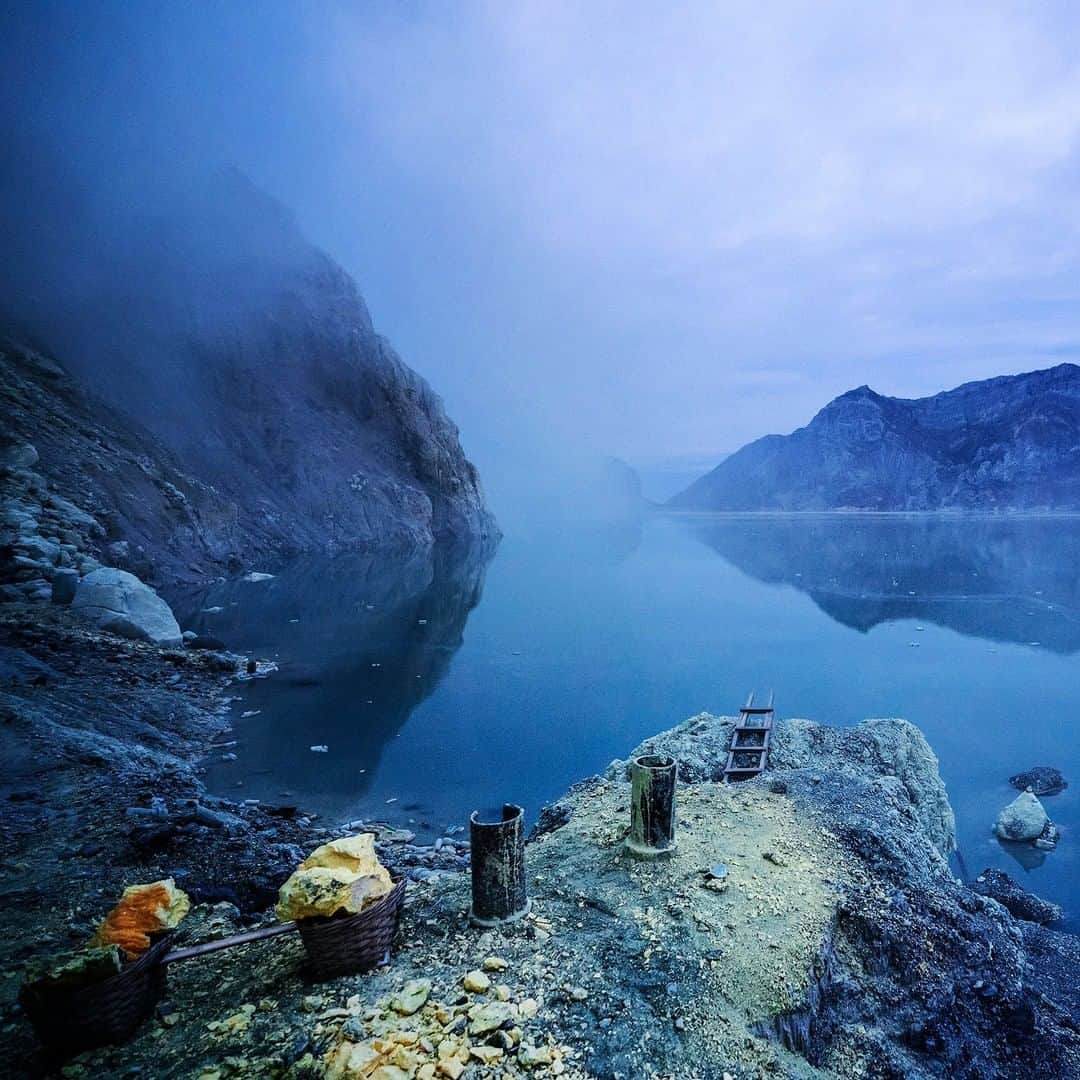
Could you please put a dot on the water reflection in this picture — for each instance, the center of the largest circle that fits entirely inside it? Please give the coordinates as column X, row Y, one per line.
column 1002, row 579
column 361, row 641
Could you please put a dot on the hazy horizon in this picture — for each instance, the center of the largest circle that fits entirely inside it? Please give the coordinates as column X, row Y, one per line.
column 613, row 229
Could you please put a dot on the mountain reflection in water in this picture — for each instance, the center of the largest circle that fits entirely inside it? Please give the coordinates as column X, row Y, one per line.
column 1008, row 579
column 362, row 640
column 433, row 702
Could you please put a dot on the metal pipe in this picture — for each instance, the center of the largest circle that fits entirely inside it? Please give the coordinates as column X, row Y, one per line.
column 652, row 806
column 498, row 867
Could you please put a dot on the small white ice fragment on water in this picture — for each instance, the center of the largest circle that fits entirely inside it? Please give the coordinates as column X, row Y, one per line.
column 913, row 644
column 422, row 622
column 320, row 749
column 250, row 712
column 256, row 575
column 216, row 610
column 1034, row 642
column 920, row 629
column 394, row 799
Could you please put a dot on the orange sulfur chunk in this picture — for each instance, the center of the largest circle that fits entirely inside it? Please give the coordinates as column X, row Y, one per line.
column 143, row 910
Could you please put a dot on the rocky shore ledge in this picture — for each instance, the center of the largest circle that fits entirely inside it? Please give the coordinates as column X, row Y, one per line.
column 808, row 924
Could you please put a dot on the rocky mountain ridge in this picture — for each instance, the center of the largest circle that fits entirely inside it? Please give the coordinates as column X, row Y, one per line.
column 216, row 398
column 1009, row 443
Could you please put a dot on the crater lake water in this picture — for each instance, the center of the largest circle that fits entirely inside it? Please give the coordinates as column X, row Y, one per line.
column 455, row 680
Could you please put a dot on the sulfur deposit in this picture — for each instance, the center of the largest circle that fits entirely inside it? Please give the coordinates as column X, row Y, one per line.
column 143, row 910
column 344, row 875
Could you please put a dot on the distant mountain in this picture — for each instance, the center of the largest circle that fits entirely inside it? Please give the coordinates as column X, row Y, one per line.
column 1006, row 443
column 665, row 477
column 249, row 355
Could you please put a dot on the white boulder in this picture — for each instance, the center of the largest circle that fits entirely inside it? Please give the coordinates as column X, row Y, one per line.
column 120, row 603
column 1023, row 819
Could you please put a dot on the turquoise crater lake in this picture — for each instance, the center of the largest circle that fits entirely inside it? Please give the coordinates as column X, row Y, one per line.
column 451, row 682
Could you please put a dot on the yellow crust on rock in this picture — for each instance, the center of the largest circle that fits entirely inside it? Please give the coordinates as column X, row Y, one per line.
column 342, row 875
column 142, row 910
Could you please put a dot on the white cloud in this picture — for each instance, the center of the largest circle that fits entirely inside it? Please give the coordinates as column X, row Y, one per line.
column 784, row 186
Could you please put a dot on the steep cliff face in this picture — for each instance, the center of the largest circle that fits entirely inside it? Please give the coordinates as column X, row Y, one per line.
column 1005, row 443
column 251, row 359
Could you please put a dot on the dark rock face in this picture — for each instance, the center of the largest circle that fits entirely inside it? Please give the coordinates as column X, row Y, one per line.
column 230, row 351
column 1005, row 443
column 1024, row 905
column 1042, row 779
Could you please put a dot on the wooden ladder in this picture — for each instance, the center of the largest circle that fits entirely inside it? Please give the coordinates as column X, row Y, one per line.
column 749, row 751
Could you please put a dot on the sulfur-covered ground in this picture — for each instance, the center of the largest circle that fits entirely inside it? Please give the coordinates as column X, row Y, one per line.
column 623, row 968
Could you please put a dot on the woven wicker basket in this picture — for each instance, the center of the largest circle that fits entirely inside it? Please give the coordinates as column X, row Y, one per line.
column 348, row 944
column 110, row 1011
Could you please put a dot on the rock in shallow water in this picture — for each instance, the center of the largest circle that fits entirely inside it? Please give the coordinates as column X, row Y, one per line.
column 1042, row 779
column 120, row 603
column 1023, row 819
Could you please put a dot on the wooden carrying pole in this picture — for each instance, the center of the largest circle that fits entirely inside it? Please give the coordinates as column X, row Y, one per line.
column 228, row 942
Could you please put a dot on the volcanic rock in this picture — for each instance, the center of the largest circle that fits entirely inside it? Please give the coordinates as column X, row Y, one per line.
column 1042, row 780
column 1023, row 904
column 1023, row 819
column 120, row 603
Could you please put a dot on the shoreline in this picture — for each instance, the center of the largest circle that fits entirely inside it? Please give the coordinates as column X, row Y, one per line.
column 837, row 856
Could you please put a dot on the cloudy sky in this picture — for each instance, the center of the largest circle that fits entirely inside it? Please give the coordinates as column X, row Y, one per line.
column 632, row 228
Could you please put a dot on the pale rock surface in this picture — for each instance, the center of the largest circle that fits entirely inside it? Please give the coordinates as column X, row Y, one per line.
column 1023, row 819
column 893, row 750
column 120, row 603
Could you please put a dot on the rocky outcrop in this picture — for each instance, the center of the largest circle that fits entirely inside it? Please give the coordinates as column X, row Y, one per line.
column 1041, row 780
column 895, row 752
column 1005, row 443
column 120, row 603
column 1021, row 903
column 996, row 1000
